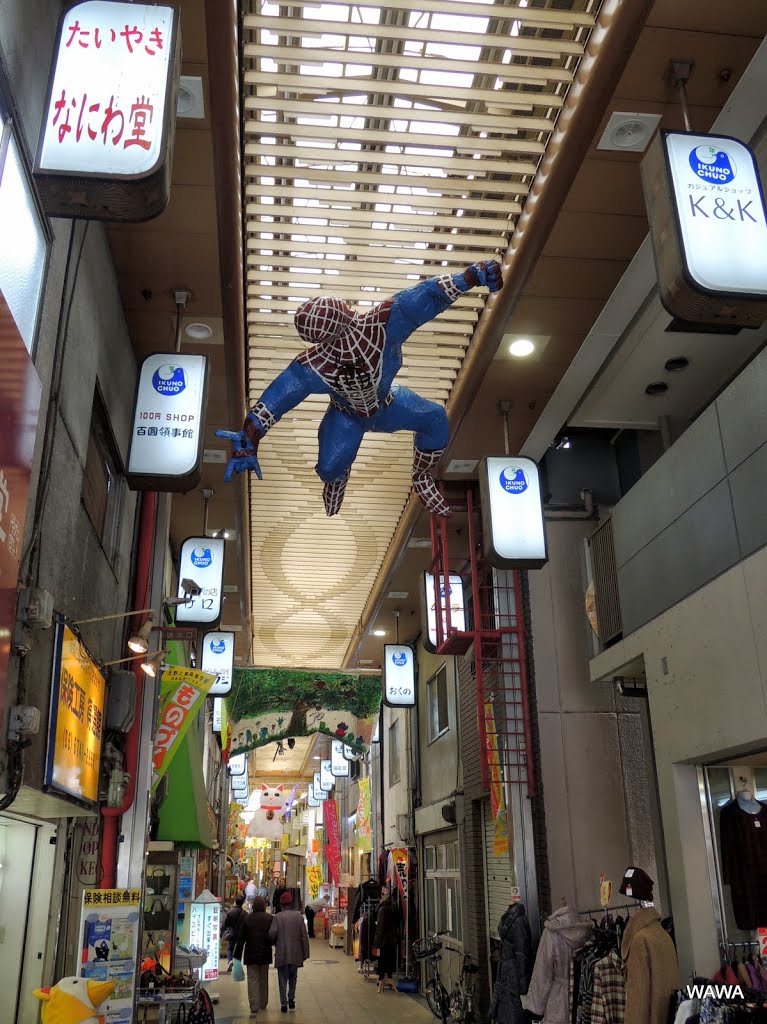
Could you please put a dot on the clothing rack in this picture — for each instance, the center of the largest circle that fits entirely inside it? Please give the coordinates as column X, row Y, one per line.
column 608, row 910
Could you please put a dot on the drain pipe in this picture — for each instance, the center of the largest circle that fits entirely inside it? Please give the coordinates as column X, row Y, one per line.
column 612, row 39
column 111, row 815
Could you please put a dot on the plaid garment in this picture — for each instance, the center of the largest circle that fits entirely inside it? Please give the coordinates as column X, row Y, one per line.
column 609, row 992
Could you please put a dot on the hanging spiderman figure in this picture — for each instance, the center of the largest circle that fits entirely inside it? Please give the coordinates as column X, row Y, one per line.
column 354, row 358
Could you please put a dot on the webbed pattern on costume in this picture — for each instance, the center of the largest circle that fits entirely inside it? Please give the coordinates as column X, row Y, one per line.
column 265, row 418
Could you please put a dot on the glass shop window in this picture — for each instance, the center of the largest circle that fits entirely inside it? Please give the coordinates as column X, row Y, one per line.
column 436, row 690
column 394, row 753
column 103, row 482
column 443, row 889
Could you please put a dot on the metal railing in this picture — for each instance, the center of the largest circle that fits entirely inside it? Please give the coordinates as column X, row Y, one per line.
column 605, row 576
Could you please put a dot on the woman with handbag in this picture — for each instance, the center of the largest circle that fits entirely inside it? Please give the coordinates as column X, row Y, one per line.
column 254, row 949
column 231, row 929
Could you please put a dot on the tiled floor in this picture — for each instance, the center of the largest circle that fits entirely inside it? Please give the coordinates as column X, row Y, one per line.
column 330, row 991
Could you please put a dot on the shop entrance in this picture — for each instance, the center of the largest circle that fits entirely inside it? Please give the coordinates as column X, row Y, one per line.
column 27, row 853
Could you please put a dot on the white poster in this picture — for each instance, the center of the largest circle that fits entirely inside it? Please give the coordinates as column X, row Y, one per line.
column 109, row 927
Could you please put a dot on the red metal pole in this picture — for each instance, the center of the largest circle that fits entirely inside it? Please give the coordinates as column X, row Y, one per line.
column 111, row 815
column 478, row 672
column 522, row 647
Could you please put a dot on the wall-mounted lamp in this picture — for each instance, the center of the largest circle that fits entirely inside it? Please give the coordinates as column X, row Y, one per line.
column 150, row 666
column 139, row 642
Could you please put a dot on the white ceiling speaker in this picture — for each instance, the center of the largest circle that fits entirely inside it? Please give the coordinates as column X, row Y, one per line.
column 190, row 102
column 628, row 133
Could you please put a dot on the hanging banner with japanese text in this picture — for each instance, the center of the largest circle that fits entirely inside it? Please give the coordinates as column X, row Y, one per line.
column 333, row 845
column 181, row 693
column 398, row 870
column 497, row 797
column 109, row 926
column 110, row 115
column 315, row 879
column 364, row 829
column 76, row 724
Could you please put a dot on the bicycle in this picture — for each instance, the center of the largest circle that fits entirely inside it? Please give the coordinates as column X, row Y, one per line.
column 461, row 1006
column 427, row 950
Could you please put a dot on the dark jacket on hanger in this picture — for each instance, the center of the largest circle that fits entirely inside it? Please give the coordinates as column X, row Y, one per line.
column 744, row 863
column 514, row 968
column 652, row 973
column 387, row 930
column 253, row 939
column 369, row 890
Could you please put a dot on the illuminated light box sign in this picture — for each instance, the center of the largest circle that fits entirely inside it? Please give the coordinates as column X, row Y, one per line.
column 311, row 799
column 218, row 659
column 238, row 765
column 399, row 676
column 708, row 226
column 168, row 428
column 202, row 561
column 319, row 792
column 218, row 713
column 452, row 595
column 107, row 138
column 512, row 513
column 326, row 776
column 339, row 765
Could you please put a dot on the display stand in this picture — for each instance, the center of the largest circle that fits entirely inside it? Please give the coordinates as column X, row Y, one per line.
column 160, row 908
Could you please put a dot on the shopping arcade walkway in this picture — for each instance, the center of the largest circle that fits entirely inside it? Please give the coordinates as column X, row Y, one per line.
column 330, row 989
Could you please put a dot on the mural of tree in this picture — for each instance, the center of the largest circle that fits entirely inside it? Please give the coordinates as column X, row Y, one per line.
column 304, row 696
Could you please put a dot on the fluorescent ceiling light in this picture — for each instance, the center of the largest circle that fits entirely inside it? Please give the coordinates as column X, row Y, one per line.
column 200, row 332
column 379, row 632
column 521, row 347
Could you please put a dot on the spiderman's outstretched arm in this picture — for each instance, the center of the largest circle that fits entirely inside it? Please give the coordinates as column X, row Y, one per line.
column 416, row 306
column 289, row 389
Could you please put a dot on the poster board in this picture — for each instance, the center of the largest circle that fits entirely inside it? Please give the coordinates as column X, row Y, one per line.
column 109, row 932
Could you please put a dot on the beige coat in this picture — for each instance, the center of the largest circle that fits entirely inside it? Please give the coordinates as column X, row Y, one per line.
column 652, row 972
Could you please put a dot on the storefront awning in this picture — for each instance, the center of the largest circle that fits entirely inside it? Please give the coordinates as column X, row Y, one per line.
column 184, row 811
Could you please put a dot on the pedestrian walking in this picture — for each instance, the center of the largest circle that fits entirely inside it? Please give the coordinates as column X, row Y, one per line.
column 250, row 891
column 231, row 929
column 386, row 940
column 311, row 909
column 291, row 942
column 279, row 890
column 254, row 949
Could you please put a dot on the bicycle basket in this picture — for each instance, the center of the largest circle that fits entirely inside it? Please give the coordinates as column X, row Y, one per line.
column 425, row 948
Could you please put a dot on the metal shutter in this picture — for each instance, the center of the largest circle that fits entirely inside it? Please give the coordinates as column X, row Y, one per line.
column 498, row 875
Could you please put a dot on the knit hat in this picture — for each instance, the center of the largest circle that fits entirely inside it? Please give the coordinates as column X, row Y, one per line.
column 637, row 883
column 286, row 899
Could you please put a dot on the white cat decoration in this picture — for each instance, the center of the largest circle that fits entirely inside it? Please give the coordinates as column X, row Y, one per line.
column 267, row 818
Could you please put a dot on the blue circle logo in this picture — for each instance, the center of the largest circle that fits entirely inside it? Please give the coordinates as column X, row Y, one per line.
column 442, row 591
column 399, row 658
column 712, row 164
column 201, row 558
column 514, row 480
column 218, row 646
column 169, row 380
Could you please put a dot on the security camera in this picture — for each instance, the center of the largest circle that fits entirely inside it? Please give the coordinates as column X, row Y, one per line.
column 191, row 588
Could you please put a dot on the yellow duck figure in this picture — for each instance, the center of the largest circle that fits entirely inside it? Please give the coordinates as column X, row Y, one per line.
column 73, row 1001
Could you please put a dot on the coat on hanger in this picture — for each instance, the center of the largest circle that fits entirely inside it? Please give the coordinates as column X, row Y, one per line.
column 549, row 993
column 652, row 972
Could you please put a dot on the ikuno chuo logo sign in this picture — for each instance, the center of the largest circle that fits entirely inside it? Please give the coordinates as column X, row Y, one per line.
column 218, row 646
column 712, row 164
column 169, row 380
column 399, row 658
column 514, row 480
column 201, row 558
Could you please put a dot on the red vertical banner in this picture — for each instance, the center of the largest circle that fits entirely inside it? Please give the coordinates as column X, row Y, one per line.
column 20, row 391
column 333, row 833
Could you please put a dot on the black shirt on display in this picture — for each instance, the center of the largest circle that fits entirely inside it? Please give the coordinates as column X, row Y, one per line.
column 744, row 863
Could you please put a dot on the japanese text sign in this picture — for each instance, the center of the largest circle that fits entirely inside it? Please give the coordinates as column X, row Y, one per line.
column 77, row 720
column 109, row 927
column 202, row 561
column 512, row 513
column 315, row 879
column 218, row 659
column 399, row 676
column 316, row 791
column 182, row 691
column 111, row 103
column 168, row 423
column 339, row 766
column 327, row 781
column 333, row 846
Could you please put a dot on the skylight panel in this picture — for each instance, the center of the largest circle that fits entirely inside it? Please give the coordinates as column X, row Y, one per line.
column 326, row 12
column 367, row 15
column 447, row 154
column 459, row 23
column 358, row 70
column 407, row 75
column 433, row 128
column 356, row 123
column 268, row 65
column 325, row 69
column 453, row 52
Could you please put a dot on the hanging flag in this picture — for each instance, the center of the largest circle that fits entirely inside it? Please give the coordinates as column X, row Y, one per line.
column 364, row 830
column 182, row 691
column 497, row 797
column 333, row 845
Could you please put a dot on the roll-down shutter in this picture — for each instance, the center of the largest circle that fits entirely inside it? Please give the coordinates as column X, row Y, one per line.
column 498, row 875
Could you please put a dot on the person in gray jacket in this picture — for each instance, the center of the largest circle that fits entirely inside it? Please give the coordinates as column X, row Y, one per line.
column 291, row 942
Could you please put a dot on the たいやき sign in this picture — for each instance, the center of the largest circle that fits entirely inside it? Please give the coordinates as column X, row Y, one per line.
column 110, row 115
column 168, row 423
column 512, row 513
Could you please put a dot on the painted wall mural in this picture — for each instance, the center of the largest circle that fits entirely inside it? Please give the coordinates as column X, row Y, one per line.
column 267, row 705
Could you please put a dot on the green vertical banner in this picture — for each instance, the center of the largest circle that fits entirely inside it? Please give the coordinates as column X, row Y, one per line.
column 182, row 692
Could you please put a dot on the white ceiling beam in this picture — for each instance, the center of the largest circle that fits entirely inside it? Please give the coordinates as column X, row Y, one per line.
column 453, row 184
column 338, row 204
column 353, row 278
column 288, row 307
column 371, row 254
column 257, row 229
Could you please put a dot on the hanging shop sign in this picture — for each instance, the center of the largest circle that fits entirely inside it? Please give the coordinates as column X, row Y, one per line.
column 109, row 927
column 238, row 765
column 339, row 766
column 326, row 776
column 333, row 845
column 708, row 227
column 20, row 391
column 399, row 676
column 317, row 791
column 218, row 714
column 202, row 562
column 512, row 513
column 204, row 929
column 364, row 827
column 497, row 789
column 218, row 659
column 76, row 719
column 315, row 879
column 452, row 595
column 398, row 870
column 186, row 879
column 168, row 428
column 107, row 139
column 182, row 691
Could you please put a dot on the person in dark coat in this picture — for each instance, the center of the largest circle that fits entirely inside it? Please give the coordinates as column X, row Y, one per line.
column 280, row 888
column 231, row 924
column 387, row 936
column 514, row 968
column 254, row 949
column 289, row 935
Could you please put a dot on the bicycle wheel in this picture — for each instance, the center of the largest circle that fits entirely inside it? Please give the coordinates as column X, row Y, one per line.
column 436, row 997
column 366, row 965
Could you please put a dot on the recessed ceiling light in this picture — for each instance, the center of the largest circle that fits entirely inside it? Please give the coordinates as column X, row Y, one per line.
column 419, row 542
column 521, row 347
column 366, row 661
column 677, row 363
column 397, row 595
column 200, row 332
column 461, row 466
column 656, row 388
column 379, row 632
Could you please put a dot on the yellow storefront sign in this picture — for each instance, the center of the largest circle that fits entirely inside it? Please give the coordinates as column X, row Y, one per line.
column 77, row 720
